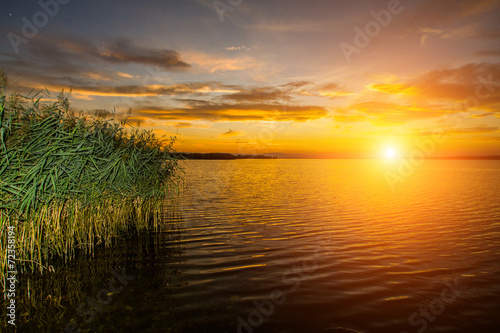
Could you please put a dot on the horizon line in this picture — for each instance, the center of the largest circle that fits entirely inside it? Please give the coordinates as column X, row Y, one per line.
column 306, row 156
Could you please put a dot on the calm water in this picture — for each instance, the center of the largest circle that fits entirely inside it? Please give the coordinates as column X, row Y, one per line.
column 318, row 246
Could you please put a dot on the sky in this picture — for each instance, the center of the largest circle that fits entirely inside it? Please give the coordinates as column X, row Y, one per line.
column 337, row 78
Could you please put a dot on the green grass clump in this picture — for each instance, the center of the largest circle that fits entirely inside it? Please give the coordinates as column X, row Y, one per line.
column 71, row 182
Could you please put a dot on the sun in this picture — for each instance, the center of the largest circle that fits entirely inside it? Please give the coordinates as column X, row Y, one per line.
column 390, row 153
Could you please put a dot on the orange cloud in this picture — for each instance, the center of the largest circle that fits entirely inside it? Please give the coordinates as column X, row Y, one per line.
column 387, row 113
column 429, row 95
column 395, row 89
column 234, row 112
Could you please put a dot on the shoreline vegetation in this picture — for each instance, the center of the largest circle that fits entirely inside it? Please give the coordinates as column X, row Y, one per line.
column 70, row 182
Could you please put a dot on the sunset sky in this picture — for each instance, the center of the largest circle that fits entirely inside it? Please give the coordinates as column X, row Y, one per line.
column 323, row 78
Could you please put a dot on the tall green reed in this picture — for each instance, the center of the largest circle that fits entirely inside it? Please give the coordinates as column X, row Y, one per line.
column 71, row 182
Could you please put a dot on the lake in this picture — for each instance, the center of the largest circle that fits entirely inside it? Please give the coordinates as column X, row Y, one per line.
column 305, row 246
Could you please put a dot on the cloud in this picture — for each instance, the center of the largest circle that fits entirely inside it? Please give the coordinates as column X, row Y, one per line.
column 432, row 94
column 232, row 112
column 192, row 88
column 332, row 90
column 124, row 51
column 199, row 88
column 239, row 48
column 239, row 103
column 426, row 32
column 308, row 88
column 216, row 63
column 183, row 125
column 394, row 89
column 386, row 113
column 231, row 133
column 296, row 84
column 59, row 60
column 280, row 27
column 125, row 75
column 258, row 95
column 286, row 92
column 451, row 85
column 71, row 59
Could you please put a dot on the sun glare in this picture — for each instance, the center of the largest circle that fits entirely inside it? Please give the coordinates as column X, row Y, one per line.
column 390, row 153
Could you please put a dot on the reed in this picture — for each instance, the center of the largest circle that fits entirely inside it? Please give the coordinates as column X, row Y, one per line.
column 70, row 182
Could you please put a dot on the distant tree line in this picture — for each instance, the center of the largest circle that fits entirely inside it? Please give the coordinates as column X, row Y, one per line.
column 219, row 156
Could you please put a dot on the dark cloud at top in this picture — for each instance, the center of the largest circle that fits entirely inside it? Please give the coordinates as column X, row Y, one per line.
column 77, row 60
column 123, row 51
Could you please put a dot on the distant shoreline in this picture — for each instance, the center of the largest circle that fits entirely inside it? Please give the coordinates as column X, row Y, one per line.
column 229, row 156
column 220, row 156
